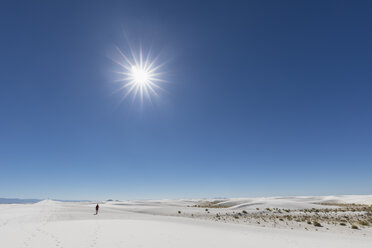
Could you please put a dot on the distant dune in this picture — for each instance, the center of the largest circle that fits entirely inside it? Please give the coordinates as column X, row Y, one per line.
column 17, row 200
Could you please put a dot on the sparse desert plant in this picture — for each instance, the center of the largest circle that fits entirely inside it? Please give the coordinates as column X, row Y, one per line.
column 315, row 223
column 342, row 224
column 354, row 227
column 309, row 222
column 179, row 212
column 244, row 212
column 363, row 223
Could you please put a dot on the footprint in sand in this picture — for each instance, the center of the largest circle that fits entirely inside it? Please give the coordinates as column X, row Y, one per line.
column 4, row 223
column 96, row 233
column 28, row 240
column 49, row 235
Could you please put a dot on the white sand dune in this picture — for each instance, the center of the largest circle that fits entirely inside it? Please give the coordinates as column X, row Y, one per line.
column 298, row 202
column 150, row 224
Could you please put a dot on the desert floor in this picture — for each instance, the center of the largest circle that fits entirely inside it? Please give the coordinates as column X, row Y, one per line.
column 242, row 222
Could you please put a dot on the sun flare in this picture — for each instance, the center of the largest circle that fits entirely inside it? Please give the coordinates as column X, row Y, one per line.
column 139, row 75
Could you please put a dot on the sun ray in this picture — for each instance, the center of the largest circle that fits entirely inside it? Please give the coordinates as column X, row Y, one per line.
column 140, row 74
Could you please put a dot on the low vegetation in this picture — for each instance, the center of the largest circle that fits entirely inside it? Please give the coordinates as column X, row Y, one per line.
column 211, row 204
column 317, row 224
column 354, row 216
column 354, row 227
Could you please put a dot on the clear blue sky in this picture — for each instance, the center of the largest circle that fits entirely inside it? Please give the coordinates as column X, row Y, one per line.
column 263, row 98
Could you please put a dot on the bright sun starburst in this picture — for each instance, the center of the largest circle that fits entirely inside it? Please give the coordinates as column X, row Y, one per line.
column 139, row 75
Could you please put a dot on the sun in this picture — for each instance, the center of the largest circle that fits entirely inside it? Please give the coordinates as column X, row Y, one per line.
column 140, row 75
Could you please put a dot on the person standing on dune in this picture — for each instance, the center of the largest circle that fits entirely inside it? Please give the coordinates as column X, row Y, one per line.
column 97, row 207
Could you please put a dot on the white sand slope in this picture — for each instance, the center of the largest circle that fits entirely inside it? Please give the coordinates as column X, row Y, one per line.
column 128, row 224
column 298, row 202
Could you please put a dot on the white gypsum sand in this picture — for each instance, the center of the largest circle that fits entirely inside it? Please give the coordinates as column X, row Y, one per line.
column 159, row 224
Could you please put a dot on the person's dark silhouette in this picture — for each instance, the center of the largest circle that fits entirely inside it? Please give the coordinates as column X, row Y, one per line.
column 97, row 207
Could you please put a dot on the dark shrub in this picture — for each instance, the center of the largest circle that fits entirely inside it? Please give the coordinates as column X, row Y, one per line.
column 315, row 223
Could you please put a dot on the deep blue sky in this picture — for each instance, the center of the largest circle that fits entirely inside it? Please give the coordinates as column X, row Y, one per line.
column 263, row 98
